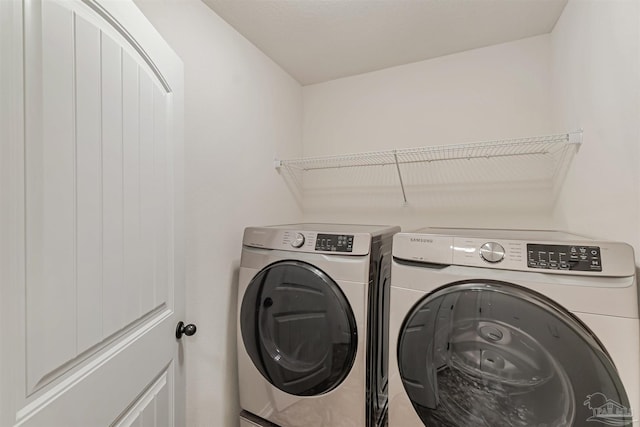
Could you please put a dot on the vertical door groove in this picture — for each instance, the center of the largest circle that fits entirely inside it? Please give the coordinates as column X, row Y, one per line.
column 89, row 185
column 75, row 177
column 101, row 220
column 50, row 179
column 147, row 283
column 113, row 316
column 131, row 188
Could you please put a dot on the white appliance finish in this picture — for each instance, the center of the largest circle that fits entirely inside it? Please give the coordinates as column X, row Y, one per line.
column 429, row 264
column 295, row 334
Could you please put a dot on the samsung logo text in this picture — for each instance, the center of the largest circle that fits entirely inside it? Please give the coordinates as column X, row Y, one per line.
column 421, row 240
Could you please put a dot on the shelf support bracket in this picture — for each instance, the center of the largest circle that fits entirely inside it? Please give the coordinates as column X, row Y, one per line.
column 576, row 138
column 404, row 194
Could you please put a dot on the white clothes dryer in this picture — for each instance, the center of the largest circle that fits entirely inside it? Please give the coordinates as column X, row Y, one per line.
column 496, row 328
column 313, row 303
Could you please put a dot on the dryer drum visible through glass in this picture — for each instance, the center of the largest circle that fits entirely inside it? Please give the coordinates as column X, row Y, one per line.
column 488, row 353
column 298, row 328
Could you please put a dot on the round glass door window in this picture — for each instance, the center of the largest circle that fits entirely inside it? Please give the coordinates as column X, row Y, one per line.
column 495, row 354
column 298, row 328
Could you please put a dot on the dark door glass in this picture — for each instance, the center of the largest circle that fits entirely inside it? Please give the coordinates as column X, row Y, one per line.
column 494, row 354
column 298, row 328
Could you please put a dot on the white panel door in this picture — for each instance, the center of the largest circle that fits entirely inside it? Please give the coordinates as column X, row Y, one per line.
column 91, row 239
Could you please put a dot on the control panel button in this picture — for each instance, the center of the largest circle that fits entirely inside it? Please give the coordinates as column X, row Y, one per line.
column 298, row 241
column 492, row 252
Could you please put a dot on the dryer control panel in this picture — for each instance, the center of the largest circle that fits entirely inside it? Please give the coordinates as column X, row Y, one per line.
column 308, row 241
column 334, row 242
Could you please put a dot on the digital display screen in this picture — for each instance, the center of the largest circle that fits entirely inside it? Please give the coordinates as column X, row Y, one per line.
column 334, row 242
column 564, row 257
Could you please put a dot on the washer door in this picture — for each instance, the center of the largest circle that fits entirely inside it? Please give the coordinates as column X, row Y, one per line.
column 484, row 353
column 298, row 328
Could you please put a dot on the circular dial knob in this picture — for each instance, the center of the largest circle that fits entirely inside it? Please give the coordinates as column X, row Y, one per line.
column 298, row 241
column 492, row 252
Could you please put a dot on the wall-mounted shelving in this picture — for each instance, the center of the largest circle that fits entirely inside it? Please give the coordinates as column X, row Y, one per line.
column 540, row 159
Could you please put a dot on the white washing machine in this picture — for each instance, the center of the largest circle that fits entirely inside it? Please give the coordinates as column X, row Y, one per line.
column 313, row 303
column 512, row 328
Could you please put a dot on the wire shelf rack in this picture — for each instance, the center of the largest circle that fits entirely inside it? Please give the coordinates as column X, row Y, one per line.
column 549, row 155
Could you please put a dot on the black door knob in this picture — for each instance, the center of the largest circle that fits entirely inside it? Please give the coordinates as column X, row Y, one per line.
column 187, row 330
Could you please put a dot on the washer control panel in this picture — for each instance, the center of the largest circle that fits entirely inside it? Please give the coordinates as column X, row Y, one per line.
column 564, row 257
column 568, row 256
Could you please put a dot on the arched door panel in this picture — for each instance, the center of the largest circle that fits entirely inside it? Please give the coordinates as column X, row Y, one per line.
column 93, row 240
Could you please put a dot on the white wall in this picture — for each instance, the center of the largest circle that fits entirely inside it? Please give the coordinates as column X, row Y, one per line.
column 240, row 111
column 495, row 92
column 596, row 84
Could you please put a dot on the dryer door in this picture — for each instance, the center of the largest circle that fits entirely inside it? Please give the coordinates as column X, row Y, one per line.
column 484, row 353
column 298, row 328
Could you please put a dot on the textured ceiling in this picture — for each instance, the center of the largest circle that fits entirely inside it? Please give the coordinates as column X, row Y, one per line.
column 320, row 40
